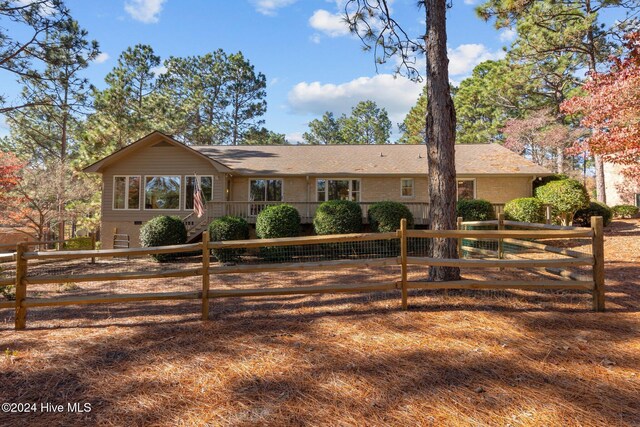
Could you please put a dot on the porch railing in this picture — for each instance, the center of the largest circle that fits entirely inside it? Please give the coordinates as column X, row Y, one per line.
column 250, row 210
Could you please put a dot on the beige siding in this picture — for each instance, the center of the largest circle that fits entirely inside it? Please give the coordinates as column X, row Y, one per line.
column 165, row 160
column 503, row 189
column 375, row 189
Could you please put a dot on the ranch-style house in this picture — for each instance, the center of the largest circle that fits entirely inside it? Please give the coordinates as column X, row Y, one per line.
column 156, row 174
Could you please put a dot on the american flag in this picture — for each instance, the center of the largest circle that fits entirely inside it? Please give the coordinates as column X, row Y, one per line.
column 198, row 200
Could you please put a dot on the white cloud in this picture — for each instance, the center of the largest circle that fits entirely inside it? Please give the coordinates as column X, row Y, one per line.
column 396, row 95
column 270, row 7
column 507, row 35
column 102, row 57
column 471, row 2
column 465, row 57
column 147, row 11
column 159, row 70
column 315, row 38
column 294, row 137
column 331, row 24
column 274, row 81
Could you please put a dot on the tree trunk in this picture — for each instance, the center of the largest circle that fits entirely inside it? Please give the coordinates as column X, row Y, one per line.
column 599, row 164
column 560, row 160
column 441, row 125
column 600, row 188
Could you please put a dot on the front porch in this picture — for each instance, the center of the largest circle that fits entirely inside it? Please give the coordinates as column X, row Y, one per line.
column 250, row 210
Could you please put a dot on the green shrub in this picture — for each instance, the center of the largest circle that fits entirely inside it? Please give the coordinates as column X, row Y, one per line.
column 338, row 217
column 78, row 244
column 547, row 179
column 625, row 211
column 525, row 209
column 386, row 216
column 228, row 228
column 161, row 231
column 475, row 210
column 566, row 197
column 278, row 221
column 583, row 216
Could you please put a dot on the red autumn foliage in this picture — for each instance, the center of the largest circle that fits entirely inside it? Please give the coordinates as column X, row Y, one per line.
column 611, row 109
column 9, row 167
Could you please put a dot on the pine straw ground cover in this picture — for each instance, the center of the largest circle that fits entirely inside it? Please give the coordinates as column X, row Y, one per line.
column 483, row 358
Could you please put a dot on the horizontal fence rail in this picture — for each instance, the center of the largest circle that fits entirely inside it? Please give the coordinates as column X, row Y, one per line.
column 398, row 250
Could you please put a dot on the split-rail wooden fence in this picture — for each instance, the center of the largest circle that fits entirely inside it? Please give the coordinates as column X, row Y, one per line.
column 520, row 237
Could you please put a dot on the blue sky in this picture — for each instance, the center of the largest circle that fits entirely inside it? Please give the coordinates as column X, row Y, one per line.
column 311, row 62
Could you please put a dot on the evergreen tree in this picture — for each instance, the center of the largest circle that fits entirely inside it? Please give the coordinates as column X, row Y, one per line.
column 414, row 126
column 124, row 111
column 324, row 131
column 367, row 124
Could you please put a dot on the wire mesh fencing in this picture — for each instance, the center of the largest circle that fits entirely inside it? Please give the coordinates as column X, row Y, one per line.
column 492, row 258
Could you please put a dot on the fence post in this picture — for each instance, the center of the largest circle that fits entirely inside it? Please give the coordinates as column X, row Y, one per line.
column 205, row 275
column 93, row 246
column 598, row 263
column 500, row 242
column 547, row 214
column 403, row 260
column 21, row 287
column 459, row 227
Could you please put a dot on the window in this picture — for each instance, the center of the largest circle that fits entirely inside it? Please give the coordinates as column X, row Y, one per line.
column 265, row 190
column 162, row 192
column 206, row 185
column 638, row 200
column 466, row 189
column 406, row 187
column 338, row 189
column 126, row 192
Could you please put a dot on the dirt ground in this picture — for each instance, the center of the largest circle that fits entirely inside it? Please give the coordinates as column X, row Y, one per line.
column 508, row 358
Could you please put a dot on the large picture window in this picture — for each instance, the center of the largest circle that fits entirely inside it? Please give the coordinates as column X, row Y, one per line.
column 466, row 189
column 265, row 190
column 206, row 185
column 126, row 192
column 162, row 192
column 338, row 189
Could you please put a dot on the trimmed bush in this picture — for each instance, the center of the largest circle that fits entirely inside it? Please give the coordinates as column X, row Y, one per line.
column 566, row 197
column 161, row 231
column 78, row 244
column 278, row 221
column 338, row 217
column 386, row 216
column 582, row 218
column 547, row 179
column 525, row 209
column 228, row 228
column 625, row 211
column 475, row 210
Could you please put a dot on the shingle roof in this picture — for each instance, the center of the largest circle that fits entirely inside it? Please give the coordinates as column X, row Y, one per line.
column 471, row 159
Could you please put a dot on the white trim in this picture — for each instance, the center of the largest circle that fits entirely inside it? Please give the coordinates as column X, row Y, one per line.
column 413, row 188
column 326, row 193
column 213, row 184
column 144, row 198
column 126, row 193
column 265, row 196
column 475, row 186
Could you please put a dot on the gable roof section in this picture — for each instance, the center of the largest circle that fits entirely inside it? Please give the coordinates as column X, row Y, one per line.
column 146, row 141
column 343, row 160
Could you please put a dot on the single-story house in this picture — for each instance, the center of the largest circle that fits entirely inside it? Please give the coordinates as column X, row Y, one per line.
column 156, row 175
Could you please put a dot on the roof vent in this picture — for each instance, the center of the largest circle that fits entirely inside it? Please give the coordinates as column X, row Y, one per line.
column 419, row 155
column 381, row 155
